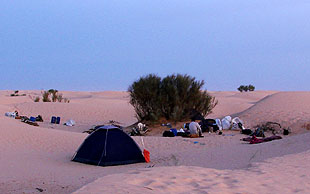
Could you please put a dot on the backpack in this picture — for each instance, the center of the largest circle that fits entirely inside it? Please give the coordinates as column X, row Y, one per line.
column 168, row 134
column 259, row 132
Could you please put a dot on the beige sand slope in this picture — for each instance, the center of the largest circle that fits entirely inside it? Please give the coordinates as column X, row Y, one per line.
column 34, row 158
column 234, row 102
column 291, row 109
column 277, row 175
column 85, row 108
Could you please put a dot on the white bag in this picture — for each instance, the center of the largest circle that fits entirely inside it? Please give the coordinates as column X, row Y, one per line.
column 235, row 123
column 219, row 124
column 226, row 122
column 70, row 123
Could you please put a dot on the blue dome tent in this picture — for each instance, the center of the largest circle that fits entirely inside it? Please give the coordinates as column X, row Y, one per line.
column 108, row 145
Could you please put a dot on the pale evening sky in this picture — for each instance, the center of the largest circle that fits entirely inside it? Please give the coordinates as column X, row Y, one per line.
column 106, row 45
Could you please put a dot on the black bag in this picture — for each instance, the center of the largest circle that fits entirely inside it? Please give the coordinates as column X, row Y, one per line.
column 286, row 131
column 208, row 125
column 168, row 134
column 246, row 131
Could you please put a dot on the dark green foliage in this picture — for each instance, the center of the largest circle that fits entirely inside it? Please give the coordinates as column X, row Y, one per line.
column 55, row 96
column 46, row 96
column 173, row 97
column 59, row 98
column 37, row 99
column 243, row 88
column 52, row 91
column 16, row 93
column 251, row 88
column 145, row 97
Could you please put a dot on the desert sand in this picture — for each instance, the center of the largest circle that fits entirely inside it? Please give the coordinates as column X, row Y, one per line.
column 38, row 159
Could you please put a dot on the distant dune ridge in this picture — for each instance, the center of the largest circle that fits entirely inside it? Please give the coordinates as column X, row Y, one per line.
column 38, row 158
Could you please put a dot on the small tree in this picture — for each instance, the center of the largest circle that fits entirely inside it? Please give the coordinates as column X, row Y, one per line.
column 173, row 98
column 145, row 97
column 251, row 88
column 46, row 96
column 37, row 99
column 241, row 88
column 59, row 98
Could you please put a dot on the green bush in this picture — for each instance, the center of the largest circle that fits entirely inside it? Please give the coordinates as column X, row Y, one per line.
column 173, row 98
column 243, row 88
column 251, row 88
column 37, row 99
column 46, row 96
column 55, row 96
column 240, row 88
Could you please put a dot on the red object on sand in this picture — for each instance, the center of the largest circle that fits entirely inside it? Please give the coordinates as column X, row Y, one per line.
column 146, row 156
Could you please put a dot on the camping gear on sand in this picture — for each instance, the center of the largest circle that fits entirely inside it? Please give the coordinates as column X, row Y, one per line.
column 246, row 131
column 208, row 125
column 229, row 123
column 53, row 119
column 33, row 119
column 139, row 130
column 174, row 131
column 259, row 132
column 57, row 120
column 168, row 134
column 237, row 124
column 39, row 118
column 226, row 122
column 11, row 114
column 274, row 127
column 70, row 123
column 254, row 140
column 146, row 153
column 28, row 121
column 286, row 131
column 108, row 145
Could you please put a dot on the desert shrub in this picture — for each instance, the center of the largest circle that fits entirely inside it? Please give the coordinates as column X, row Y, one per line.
column 55, row 96
column 244, row 88
column 15, row 93
column 46, row 96
column 59, row 98
column 52, row 91
column 145, row 97
column 37, row 99
column 173, row 98
column 241, row 88
column 251, row 88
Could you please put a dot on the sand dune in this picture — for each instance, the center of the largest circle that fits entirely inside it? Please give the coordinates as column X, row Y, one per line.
column 34, row 158
column 234, row 102
column 277, row 175
column 291, row 109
